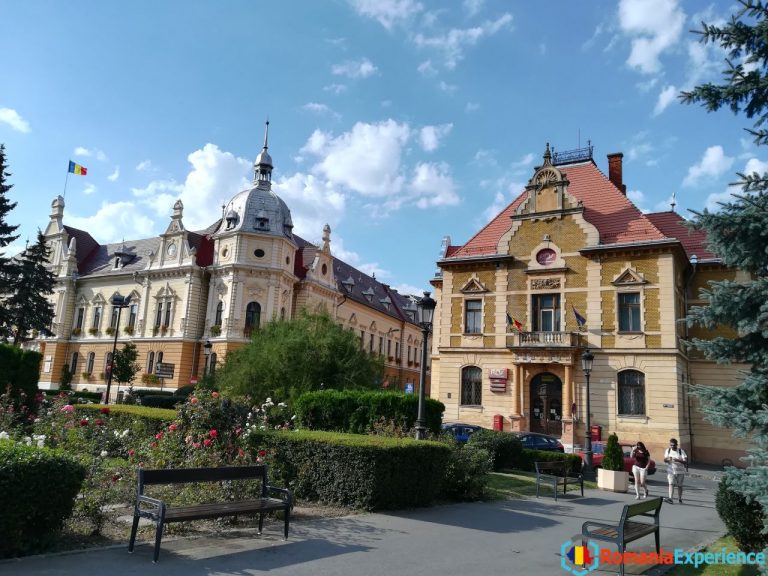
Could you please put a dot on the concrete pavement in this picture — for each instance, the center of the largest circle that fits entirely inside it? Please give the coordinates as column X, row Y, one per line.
column 506, row 537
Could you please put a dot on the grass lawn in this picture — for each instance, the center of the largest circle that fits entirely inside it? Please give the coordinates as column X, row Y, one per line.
column 518, row 484
column 717, row 569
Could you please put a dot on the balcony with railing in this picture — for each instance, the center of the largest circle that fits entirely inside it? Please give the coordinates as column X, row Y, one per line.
column 543, row 340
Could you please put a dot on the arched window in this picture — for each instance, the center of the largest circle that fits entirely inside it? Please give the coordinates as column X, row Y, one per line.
column 159, row 358
column 108, row 363
column 219, row 313
column 282, row 313
column 631, row 393
column 212, row 363
column 471, row 386
column 150, row 362
column 73, row 364
column 252, row 315
column 91, row 361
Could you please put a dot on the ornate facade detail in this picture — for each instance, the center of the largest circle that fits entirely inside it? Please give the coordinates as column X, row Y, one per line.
column 545, row 283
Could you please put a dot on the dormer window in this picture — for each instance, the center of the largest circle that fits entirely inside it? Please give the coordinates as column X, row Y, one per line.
column 117, row 262
column 368, row 294
column 386, row 302
column 348, row 284
column 262, row 220
column 231, row 219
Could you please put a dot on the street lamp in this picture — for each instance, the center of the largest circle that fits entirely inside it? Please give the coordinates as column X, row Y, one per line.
column 425, row 309
column 587, row 358
column 118, row 302
column 207, row 352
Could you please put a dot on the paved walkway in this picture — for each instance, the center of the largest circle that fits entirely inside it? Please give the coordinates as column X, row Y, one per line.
column 507, row 537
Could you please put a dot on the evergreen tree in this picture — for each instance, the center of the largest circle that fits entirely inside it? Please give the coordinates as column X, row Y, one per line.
column 125, row 366
column 738, row 234
column 8, row 271
column 28, row 307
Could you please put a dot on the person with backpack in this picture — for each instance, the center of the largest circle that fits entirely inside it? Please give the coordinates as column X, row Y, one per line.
column 640, row 469
column 677, row 461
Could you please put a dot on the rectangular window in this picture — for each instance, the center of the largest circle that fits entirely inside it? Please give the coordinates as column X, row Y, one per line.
column 370, row 344
column 473, row 321
column 397, row 350
column 113, row 320
column 410, row 358
column 381, row 345
column 134, row 311
column 97, row 317
column 629, row 312
column 546, row 313
column 389, row 347
column 159, row 317
column 80, row 318
column 167, row 314
column 362, row 339
column 73, row 364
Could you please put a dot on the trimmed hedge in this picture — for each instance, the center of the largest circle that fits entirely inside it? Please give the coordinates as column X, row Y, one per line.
column 167, row 401
column 528, row 457
column 142, row 421
column 358, row 471
column 466, row 476
column 357, row 411
column 743, row 520
column 31, row 512
column 74, row 396
column 505, row 448
column 19, row 369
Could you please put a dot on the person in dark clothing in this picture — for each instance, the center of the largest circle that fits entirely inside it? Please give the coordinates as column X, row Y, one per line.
column 640, row 469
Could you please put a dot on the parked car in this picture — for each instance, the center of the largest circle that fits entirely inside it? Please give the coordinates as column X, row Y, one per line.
column 537, row 441
column 460, row 432
column 626, row 447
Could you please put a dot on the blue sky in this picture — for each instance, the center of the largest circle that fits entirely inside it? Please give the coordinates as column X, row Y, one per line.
column 395, row 121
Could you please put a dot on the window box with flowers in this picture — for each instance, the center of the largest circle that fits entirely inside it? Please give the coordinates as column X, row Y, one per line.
column 155, row 330
column 163, row 330
column 110, row 330
column 150, row 379
column 93, row 331
column 215, row 330
column 87, row 376
column 128, row 330
column 76, row 331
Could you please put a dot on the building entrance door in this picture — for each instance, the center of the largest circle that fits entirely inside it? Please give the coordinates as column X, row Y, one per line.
column 547, row 404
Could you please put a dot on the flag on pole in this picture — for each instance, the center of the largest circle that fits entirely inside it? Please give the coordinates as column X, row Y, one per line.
column 580, row 320
column 514, row 322
column 77, row 169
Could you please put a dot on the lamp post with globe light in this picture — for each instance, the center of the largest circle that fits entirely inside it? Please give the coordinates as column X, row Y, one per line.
column 425, row 310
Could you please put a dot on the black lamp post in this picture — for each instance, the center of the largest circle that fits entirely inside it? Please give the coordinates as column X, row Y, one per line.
column 207, row 352
column 425, row 309
column 587, row 358
column 118, row 302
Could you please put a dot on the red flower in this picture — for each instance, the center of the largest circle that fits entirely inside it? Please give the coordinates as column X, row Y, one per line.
column 196, row 445
column 154, row 444
column 214, row 394
column 99, row 422
column 241, row 452
column 84, row 422
column 159, row 435
column 104, row 410
column 131, row 452
column 262, row 453
column 172, row 427
column 213, row 433
column 193, row 400
column 238, row 431
column 115, row 477
column 207, row 442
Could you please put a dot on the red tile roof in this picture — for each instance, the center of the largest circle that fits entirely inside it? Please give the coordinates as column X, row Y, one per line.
column 673, row 225
column 617, row 220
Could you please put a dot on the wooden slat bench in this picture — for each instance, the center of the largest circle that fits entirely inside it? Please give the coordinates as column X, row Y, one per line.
column 161, row 513
column 556, row 474
column 627, row 530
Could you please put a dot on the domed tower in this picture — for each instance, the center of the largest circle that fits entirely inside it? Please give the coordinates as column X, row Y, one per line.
column 253, row 268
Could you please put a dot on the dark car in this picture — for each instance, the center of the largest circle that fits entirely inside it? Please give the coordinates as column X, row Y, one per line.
column 536, row 441
column 460, row 432
column 598, row 448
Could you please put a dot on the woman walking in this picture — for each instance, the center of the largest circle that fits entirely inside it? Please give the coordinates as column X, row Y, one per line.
column 640, row 469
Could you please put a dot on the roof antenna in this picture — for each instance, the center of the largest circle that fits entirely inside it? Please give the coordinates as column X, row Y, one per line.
column 673, row 203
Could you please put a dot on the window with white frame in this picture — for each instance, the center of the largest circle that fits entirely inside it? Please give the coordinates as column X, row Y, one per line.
column 473, row 319
column 629, row 312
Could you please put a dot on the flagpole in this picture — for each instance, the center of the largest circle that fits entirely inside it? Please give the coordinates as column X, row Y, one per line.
column 65, row 183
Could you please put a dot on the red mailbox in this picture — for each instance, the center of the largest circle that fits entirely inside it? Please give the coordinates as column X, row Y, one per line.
column 596, row 432
column 498, row 422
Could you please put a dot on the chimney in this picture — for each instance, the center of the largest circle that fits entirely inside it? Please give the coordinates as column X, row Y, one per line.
column 614, row 171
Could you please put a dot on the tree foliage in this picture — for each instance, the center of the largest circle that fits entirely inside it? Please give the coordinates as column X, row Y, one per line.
column 288, row 357
column 124, row 366
column 8, row 270
column 28, row 308
column 738, row 234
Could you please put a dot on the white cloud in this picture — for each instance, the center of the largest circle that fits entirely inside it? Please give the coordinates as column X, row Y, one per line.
column 387, row 12
column 321, row 109
column 14, row 120
column 313, row 202
column 639, row 149
column 13, row 249
column 473, row 7
column 445, row 87
column 95, row 153
column 754, row 165
column 655, row 26
column 144, row 165
column 713, row 200
column 115, row 175
column 365, row 159
column 114, row 221
column 666, row 97
column 335, row 88
column 433, row 185
column 484, row 158
column 362, row 68
column 524, row 162
column 430, row 136
column 471, row 107
column 408, row 289
column 426, row 68
column 89, row 189
column 636, row 196
column 499, row 203
column 713, row 163
column 453, row 43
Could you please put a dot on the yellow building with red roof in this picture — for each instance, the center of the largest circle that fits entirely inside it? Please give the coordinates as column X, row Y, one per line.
column 572, row 264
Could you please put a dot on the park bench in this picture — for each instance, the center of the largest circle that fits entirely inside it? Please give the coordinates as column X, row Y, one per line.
column 161, row 513
column 627, row 530
column 555, row 474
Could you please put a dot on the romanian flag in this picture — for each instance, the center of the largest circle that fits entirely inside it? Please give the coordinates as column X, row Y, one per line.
column 514, row 322
column 580, row 556
column 77, row 169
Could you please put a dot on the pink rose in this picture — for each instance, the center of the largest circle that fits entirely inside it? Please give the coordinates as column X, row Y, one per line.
column 159, row 435
column 262, row 453
column 154, row 445
column 104, row 410
column 241, row 452
column 213, row 433
column 84, row 422
column 188, row 439
column 207, row 442
column 214, row 394
column 172, row 427
column 99, row 422
column 68, row 408
column 196, row 445
column 193, row 400
column 131, row 452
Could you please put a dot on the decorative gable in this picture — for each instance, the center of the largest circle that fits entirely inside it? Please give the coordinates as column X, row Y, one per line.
column 629, row 277
column 474, row 286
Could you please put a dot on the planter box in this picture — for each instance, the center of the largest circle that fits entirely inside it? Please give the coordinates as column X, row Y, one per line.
column 612, row 480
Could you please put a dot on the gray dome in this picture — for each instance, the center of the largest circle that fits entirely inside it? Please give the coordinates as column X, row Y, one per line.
column 258, row 210
column 263, row 159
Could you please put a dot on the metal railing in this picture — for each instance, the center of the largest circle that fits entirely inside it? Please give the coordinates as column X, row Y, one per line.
column 543, row 339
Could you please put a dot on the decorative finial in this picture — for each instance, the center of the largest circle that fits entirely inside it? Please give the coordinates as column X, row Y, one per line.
column 547, row 156
column 223, row 207
column 673, row 203
column 266, row 134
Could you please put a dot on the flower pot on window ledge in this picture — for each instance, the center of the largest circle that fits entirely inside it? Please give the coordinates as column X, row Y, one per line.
column 110, row 331
column 87, row 376
column 76, row 331
column 93, row 331
column 128, row 330
column 215, row 330
column 163, row 330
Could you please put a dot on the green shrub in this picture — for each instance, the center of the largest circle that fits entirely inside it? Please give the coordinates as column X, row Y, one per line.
column 505, row 448
column 466, row 474
column 19, row 369
column 185, row 391
column 75, row 397
column 358, row 471
column 142, row 421
column 613, row 457
column 743, row 519
column 31, row 513
column 528, row 457
column 358, row 411
column 161, row 401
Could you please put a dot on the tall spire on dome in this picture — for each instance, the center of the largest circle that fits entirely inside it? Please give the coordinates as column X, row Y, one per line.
column 263, row 165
